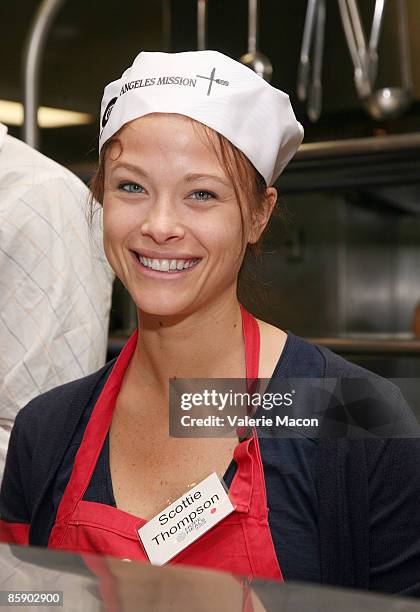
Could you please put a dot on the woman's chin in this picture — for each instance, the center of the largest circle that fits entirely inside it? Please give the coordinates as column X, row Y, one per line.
column 165, row 308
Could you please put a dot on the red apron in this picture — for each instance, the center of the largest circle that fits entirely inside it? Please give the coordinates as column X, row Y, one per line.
column 240, row 544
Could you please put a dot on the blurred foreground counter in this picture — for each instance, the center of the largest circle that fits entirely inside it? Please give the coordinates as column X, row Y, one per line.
column 92, row 583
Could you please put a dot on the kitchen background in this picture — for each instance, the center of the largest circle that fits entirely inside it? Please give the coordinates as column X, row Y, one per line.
column 341, row 260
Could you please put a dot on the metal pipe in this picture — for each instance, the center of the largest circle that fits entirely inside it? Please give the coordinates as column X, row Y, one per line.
column 358, row 146
column 32, row 56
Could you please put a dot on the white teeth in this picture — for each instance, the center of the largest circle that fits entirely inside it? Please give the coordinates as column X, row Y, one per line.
column 166, row 265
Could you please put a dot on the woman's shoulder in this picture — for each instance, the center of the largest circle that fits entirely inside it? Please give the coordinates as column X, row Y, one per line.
column 301, row 358
column 312, row 359
column 378, row 404
column 297, row 356
column 334, row 366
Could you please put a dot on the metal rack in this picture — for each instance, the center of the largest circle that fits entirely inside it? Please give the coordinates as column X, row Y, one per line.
column 32, row 62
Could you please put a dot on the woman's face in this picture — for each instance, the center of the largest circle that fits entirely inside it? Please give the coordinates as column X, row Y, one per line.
column 172, row 223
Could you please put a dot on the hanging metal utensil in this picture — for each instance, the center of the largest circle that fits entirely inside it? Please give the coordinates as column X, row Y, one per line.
column 255, row 60
column 374, row 41
column 166, row 26
column 304, row 62
column 315, row 91
column 359, row 34
column 391, row 102
column 404, row 42
column 354, row 32
column 201, row 24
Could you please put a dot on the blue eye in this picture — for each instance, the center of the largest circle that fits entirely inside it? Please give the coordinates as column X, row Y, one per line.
column 131, row 187
column 203, row 195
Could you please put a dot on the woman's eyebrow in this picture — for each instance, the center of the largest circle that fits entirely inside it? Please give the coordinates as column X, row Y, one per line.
column 189, row 178
column 199, row 175
column 131, row 167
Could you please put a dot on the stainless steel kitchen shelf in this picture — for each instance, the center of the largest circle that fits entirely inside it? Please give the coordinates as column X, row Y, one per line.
column 370, row 345
column 358, row 146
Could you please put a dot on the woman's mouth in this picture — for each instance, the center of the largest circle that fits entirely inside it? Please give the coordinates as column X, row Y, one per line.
column 167, row 266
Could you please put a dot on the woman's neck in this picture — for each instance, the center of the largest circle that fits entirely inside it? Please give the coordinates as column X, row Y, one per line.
column 207, row 343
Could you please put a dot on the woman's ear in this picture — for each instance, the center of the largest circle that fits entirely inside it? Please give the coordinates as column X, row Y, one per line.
column 261, row 216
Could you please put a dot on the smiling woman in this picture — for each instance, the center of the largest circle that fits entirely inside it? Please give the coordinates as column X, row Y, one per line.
column 186, row 189
column 248, row 184
column 182, row 189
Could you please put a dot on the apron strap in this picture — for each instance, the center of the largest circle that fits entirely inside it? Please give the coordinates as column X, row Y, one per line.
column 95, row 432
column 251, row 335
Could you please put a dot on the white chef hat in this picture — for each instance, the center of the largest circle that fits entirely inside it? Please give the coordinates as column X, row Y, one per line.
column 211, row 88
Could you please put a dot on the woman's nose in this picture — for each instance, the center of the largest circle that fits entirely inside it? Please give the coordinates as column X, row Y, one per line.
column 162, row 222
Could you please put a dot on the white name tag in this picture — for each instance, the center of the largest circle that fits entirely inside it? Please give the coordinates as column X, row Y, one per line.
column 185, row 520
